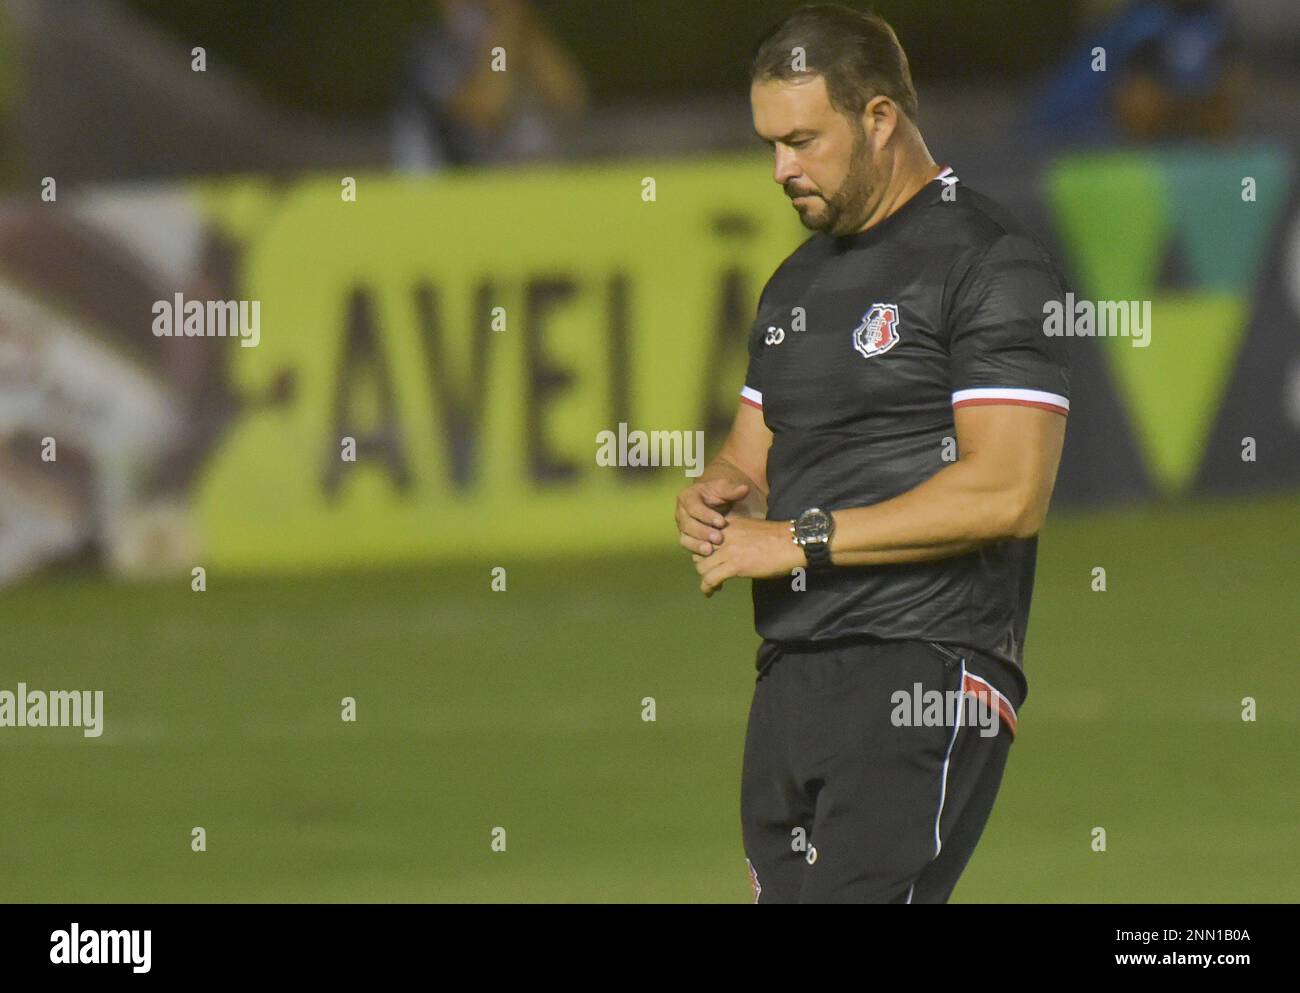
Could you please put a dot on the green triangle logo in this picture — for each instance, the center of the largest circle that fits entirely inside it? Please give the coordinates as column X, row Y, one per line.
column 1173, row 387
column 1116, row 216
column 1114, row 221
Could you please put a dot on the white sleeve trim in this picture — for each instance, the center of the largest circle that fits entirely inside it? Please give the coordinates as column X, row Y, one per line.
column 1007, row 394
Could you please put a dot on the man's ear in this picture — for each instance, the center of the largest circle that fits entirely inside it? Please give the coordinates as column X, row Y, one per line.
column 880, row 118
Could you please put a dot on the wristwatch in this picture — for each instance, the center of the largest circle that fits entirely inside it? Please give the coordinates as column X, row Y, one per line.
column 812, row 531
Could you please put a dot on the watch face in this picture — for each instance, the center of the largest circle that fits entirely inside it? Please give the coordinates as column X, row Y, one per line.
column 812, row 526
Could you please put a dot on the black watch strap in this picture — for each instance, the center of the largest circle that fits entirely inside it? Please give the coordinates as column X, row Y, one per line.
column 818, row 554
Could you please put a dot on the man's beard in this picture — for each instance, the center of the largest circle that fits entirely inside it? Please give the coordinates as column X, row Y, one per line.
column 846, row 209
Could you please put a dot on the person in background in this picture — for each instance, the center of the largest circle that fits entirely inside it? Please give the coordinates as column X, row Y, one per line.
column 1171, row 72
column 454, row 108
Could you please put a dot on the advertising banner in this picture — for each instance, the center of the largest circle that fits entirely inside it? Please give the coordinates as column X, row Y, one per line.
column 350, row 370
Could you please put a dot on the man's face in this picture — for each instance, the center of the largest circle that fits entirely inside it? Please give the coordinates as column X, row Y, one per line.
column 822, row 161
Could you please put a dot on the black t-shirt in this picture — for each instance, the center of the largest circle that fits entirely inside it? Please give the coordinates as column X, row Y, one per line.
column 937, row 306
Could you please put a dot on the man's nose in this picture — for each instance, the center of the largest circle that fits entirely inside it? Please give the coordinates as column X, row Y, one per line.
column 786, row 166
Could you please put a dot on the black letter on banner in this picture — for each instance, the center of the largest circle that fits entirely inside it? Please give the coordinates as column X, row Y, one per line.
column 460, row 411
column 362, row 353
column 728, row 341
column 620, row 366
column 731, row 326
column 541, row 379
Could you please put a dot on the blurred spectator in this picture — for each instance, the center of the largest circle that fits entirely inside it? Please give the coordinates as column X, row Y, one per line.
column 1171, row 71
column 454, row 108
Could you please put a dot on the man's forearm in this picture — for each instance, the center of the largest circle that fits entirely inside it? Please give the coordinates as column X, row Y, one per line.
column 953, row 512
column 754, row 503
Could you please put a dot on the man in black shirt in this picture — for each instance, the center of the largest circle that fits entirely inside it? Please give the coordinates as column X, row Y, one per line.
column 891, row 462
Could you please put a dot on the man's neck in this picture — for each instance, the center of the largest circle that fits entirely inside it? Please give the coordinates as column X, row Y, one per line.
column 911, row 174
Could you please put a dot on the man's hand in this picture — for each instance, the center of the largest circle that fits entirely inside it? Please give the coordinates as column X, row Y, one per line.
column 701, row 512
column 752, row 549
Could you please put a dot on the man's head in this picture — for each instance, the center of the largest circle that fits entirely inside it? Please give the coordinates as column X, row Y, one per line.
column 831, row 92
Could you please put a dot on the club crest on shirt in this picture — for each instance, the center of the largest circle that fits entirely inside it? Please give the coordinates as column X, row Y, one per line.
column 878, row 332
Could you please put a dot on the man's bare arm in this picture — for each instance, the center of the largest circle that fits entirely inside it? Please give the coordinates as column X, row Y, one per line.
column 733, row 483
column 747, row 444
column 1000, row 487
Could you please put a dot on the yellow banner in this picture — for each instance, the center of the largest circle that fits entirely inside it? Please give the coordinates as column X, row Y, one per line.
column 474, row 335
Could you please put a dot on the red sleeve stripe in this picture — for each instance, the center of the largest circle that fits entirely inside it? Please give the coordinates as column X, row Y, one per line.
column 751, row 397
column 1006, row 394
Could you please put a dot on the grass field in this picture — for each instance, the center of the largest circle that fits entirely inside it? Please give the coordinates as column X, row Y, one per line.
column 523, row 710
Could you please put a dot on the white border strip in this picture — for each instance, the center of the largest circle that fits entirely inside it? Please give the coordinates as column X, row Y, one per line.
column 943, row 782
column 1010, row 393
column 752, row 395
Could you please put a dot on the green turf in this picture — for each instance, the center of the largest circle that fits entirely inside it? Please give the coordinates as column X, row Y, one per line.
column 522, row 710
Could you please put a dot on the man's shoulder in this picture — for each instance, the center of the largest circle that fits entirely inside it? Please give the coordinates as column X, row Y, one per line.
column 978, row 223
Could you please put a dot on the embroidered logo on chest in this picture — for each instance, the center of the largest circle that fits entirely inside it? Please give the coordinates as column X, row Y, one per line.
column 878, row 332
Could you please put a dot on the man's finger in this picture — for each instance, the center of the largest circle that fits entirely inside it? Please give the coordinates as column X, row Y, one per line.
column 700, row 549
column 724, row 493
column 697, row 510
column 715, row 576
column 700, row 532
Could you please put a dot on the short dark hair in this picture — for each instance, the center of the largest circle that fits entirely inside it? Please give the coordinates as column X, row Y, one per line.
column 856, row 52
